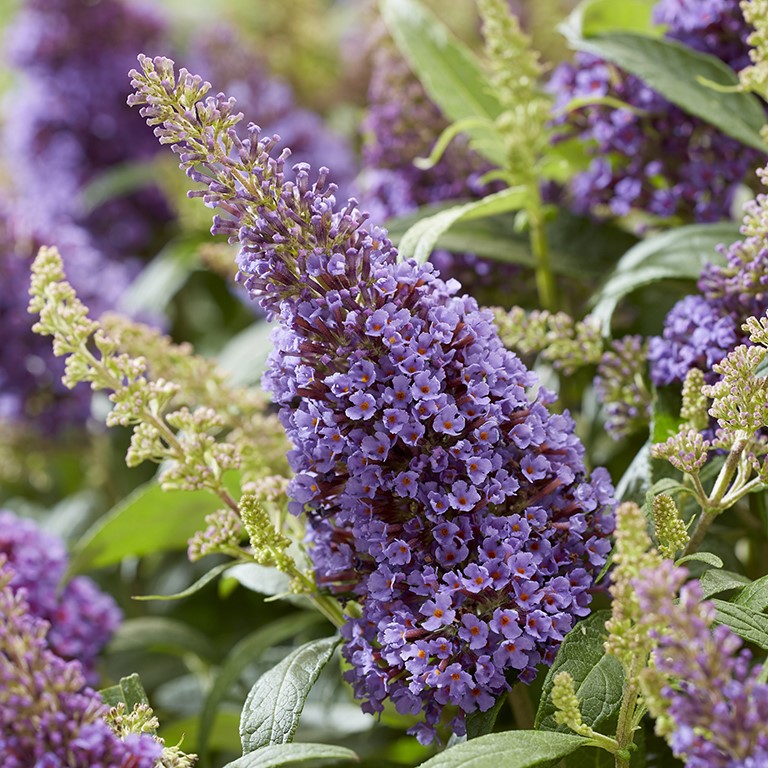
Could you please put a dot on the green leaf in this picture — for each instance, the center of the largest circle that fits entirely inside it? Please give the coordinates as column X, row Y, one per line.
column 164, row 276
column 450, row 73
column 244, row 356
column 598, row 678
column 701, row 557
column 128, row 691
column 159, row 633
column 596, row 17
column 511, row 749
column 481, row 723
column 677, row 254
column 273, row 707
column 248, row 650
column 754, row 596
column 293, row 754
column 266, row 580
column 674, row 70
column 579, row 247
column 714, row 581
column 748, row 624
column 147, row 521
column 196, row 587
column 419, row 241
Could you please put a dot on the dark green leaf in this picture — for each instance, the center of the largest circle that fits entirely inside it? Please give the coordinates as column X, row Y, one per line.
column 579, row 247
column 701, row 557
column 598, row 678
column 196, row 587
column 754, row 595
column 419, row 241
column 128, row 691
column 678, row 254
column 273, row 707
column 676, row 72
column 293, row 754
column 448, row 70
column 511, row 749
column 148, row 520
column 481, row 723
column 748, row 624
column 715, row 581
column 158, row 633
column 248, row 650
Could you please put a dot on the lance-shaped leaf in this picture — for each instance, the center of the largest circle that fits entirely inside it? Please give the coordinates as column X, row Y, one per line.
column 294, row 754
column 273, row 707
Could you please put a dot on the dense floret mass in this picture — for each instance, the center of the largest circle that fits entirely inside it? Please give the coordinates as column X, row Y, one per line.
column 49, row 718
column 69, row 122
column 650, row 155
column 80, row 617
column 441, row 493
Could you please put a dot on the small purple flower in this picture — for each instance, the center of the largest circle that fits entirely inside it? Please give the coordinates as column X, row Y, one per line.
column 438, row 611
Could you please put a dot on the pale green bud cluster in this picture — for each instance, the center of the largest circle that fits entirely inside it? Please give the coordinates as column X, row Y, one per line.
column 269, row 545
column 559, row 339
column 567, row 704
column 141, row 719
column 687, row 450
column 221, row 536
column 633, row 553
column 695, row 406
column 740, row 399
column 755, row 77
column 514, row 70
column 671, row 533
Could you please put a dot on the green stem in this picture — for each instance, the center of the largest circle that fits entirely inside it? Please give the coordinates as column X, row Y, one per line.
column 700, row 531
column 545, row 279
column 625, row 730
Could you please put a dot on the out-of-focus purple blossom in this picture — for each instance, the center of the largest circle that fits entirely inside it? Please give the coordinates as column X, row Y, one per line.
column 696, row 335
column 401, row 125
column 701, row 330
column 709, row 26
column 80, row 616
column 234, row 66
column 653, row 156
column 48, row 716
column 712, row 705
column 67, row 122
column 436, row 483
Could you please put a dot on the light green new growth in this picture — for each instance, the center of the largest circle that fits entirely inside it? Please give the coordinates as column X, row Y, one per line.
column 141, row 719
column 196, row 443
column 566, row 343
column 514, row 71
column 695, row 403
column 633, row 553
column 568, row 712
column 755, row 77
column 671, row 532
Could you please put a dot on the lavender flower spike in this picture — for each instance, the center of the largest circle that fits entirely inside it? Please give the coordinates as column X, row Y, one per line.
column 47, row 715
column 440, row 492
column 709, row 704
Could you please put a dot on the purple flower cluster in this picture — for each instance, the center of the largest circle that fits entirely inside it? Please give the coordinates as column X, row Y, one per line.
column 80, row 616
column 67, row 123
column 49, row 718
column 655, row 157
column 717, row 706
column 701, row 330
column 441, row 493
